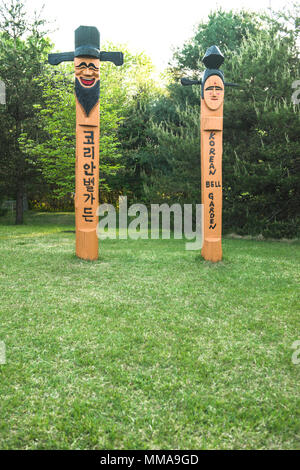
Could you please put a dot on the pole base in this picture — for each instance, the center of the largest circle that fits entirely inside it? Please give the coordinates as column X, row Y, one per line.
column 212, row 250
column 87, row 244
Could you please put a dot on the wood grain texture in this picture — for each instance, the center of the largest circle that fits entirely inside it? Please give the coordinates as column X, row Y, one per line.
column 87, row 176
column 211, row 124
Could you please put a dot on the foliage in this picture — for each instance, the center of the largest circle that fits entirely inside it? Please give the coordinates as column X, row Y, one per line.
column 225, row 29
column 134, row 132
column 23, row 50
column 262, row 151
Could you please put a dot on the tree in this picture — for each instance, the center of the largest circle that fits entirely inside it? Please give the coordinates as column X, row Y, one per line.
column 224, row 29
column 23, row 50
column 135, row 133
column 261, row 150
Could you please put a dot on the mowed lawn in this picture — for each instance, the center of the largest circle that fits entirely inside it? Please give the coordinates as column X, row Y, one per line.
column 150, row 347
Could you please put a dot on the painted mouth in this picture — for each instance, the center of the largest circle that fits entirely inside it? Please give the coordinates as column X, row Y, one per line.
column 87, row 81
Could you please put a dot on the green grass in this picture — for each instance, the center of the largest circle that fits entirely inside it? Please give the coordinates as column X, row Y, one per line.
column 150, row 347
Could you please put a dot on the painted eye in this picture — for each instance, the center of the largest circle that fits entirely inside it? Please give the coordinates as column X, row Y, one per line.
column 92, row 67
column 82, row 64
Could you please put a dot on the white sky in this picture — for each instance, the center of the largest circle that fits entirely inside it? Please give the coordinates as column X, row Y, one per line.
column 152, row 26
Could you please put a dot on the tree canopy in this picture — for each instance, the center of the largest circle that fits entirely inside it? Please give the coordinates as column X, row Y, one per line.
column 23, row 52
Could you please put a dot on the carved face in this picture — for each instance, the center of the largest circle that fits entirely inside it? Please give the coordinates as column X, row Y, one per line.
column 87, row 82
column 213, row 92
column 87, row 71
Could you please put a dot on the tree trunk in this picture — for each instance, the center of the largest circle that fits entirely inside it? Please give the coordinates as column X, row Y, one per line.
column 19, row 204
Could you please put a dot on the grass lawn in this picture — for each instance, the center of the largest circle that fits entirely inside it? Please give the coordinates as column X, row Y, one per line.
column 150, row 347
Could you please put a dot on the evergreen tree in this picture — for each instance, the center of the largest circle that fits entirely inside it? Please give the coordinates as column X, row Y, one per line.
column 23, row 51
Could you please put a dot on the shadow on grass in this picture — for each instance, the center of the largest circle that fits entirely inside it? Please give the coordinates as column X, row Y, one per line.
column 78, row 261
column 220, row 264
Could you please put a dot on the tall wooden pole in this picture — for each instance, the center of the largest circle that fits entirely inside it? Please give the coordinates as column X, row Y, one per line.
column 87, row 57
column 87, row 163
column 211, row 129
column 211, row 124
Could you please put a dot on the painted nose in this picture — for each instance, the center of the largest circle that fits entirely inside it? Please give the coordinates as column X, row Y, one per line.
column 88, row 72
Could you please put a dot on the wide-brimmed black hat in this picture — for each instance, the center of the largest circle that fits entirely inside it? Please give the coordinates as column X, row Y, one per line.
column 87, row 44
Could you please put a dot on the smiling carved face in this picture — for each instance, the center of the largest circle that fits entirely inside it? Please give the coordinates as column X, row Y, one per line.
column 214, row 92
column 87, row 70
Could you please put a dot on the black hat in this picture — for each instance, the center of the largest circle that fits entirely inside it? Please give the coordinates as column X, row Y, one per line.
column 213, row 59
column 87, row 42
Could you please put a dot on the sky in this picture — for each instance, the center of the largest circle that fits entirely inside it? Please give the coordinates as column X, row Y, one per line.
column 155, row 27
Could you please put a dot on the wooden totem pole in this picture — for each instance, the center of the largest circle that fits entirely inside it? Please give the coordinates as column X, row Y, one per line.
column 87, row 57
column 211, row 126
